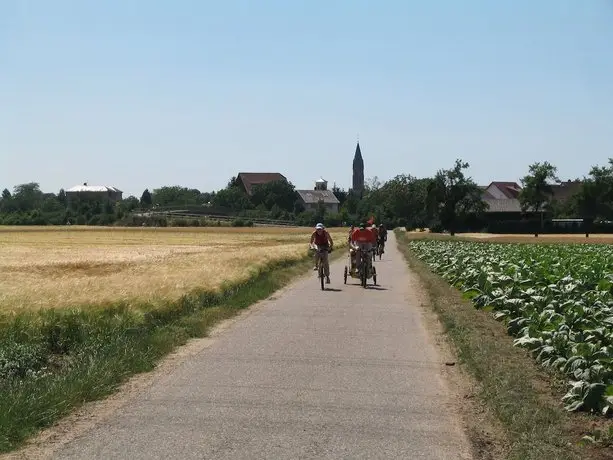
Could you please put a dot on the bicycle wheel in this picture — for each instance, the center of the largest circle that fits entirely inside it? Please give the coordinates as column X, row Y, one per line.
column 364, row 274
column 321, row 274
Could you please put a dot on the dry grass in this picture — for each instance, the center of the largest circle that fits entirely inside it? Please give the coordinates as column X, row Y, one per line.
column 45, row 267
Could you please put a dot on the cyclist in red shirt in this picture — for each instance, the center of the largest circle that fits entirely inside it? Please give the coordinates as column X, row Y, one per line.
column 320, row 237
column 375, row 232
column 362, row 239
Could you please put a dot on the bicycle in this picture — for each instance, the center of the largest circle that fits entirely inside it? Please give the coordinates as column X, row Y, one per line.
column 380, row 248
column 367, row 269
column 320, row 250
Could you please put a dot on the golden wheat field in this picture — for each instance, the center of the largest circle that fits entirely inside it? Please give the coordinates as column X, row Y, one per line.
column 54, row 267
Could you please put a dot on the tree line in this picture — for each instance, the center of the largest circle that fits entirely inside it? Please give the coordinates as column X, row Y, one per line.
column 450, row 201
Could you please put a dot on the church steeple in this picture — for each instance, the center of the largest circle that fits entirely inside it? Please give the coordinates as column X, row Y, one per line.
column 358, row 171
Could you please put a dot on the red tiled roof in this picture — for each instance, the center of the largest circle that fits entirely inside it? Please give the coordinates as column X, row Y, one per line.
column 249, row 179
column 509, row 189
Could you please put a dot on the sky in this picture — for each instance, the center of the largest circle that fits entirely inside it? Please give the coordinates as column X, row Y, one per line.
column 141, row 94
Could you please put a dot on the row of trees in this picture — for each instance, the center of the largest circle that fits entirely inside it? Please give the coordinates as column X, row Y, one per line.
column 450, row 200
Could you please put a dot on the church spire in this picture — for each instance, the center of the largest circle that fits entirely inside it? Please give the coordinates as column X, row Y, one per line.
column 358, row 170
column 358, row 154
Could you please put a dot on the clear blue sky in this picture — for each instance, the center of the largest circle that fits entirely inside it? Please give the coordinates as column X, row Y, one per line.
column 141, row 94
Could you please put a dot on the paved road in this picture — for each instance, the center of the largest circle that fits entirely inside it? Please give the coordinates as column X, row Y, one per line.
column 348, row 373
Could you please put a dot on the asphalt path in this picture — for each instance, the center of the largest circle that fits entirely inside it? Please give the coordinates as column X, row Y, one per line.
column 343, row 373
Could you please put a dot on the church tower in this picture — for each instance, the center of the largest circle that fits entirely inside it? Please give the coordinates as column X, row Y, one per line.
column 358, row 171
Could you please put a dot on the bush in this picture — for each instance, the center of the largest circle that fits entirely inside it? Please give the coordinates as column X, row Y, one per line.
column 95, row 220
column 437, row 227
column 241, row 223
column 179, row 222
column 21, row 360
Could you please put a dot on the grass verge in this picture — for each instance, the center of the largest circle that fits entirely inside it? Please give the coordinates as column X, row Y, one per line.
column 522, row 397
column 53, row 361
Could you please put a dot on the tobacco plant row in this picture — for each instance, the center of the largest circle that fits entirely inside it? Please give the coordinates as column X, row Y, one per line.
column 556, row 300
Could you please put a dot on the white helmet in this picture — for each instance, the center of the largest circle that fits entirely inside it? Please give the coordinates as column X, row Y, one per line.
column 320, row 225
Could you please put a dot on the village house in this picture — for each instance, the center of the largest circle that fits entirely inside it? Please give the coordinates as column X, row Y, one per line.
column 311, row 199
column 502, row 198
column 248, row 180
column 94, row 192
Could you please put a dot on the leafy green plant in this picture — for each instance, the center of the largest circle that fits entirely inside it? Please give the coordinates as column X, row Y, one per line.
column 557, row 300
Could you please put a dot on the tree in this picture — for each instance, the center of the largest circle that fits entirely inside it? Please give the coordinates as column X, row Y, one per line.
column 176, row 196
column 234, row 182
column 61, row 197
column 352, row 202
column 6, row 204
column 279, row 192
column 454, row 196
column 109, row 208
column 372, row 185
column 27, row 197
column 232, row 198
column 207, row 197
column 298, row 206
column 340, row 194
column 131, row 203
column 536, row 194
column 595, row 200
column 146, row 199
column 51, row 204
column 404, row 200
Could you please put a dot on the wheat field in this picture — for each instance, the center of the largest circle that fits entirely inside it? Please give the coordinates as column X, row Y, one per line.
column 56, row 267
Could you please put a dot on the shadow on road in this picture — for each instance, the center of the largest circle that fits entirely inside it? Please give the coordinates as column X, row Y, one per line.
column 376, row 288
column 368, row 286
column 333, row 290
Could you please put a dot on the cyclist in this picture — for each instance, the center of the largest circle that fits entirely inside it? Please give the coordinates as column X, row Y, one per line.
column 382, row 237
column 383, row 231
column 321, row 237
column 375, row 231
column 362, row 239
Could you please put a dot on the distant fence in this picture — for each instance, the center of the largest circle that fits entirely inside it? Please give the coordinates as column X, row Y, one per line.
column 185, row 214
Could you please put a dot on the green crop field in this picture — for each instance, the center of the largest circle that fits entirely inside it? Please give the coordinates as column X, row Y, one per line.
column 556, row 300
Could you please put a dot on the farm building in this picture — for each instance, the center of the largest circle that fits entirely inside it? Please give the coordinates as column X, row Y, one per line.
column 93, row 192
column 502, row 200
column 320, row 194
column 249, row 179
column 566, row 190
